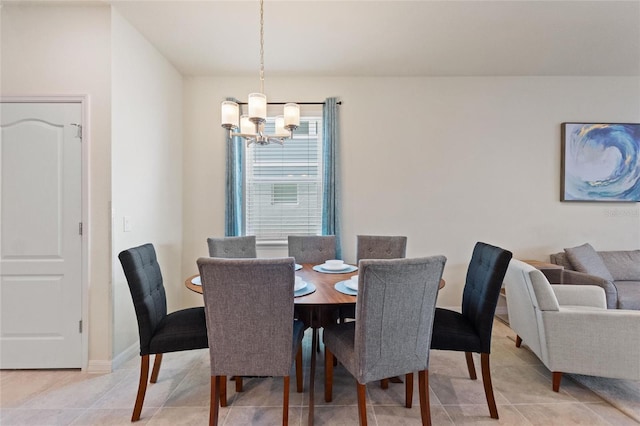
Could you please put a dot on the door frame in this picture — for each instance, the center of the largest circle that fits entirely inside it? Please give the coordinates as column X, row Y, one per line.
column 85, row 195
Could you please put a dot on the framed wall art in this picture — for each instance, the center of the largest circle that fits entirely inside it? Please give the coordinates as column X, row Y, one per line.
column 600, row 162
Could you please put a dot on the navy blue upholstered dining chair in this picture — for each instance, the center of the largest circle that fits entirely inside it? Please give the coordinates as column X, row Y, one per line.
column 159, row 332
column 470, row 331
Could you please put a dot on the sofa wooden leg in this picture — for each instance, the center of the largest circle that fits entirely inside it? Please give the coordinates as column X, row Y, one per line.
column 556, row 377
column 518, row 341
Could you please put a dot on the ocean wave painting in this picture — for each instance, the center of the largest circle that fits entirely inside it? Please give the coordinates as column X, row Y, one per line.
column 601, row 162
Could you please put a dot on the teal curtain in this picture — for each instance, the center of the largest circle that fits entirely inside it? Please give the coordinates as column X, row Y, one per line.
column 233, row 216
column 331, row 196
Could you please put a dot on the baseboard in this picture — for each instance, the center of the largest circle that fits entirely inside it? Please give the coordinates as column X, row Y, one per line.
column 99, row 366
column 104, row 366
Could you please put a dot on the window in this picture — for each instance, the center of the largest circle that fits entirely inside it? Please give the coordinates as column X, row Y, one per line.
column 283, row 185
column 285, row 193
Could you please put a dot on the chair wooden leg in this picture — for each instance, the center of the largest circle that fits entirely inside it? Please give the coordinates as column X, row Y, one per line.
column 488, row 387
column 328, row 375
column 362, row 403
column 384, row 383
column 518, row 341
column 222, row 385
column 299, row 387
column 556, row 378
column 285, row 402
column 156, row 368
column 238, row 380
column 216, row 382
column 142, row 387
column 470, row 365
column 408, row 390
column 423, row 391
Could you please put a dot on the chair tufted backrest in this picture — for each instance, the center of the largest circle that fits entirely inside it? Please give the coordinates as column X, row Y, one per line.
column 485, row 274
column 249, row 312
column 313, row 248
column 394, row 315
column 233, row 247
column 381, row 247
column 143, row 274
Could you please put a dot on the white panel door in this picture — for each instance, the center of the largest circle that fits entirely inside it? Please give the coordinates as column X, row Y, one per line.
column 40, row 242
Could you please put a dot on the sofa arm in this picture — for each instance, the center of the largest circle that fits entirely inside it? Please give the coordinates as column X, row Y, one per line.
column 594, row 342
column 580, row 295
column 580, row 278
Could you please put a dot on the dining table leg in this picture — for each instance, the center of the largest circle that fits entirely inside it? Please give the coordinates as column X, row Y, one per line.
column 314, row 343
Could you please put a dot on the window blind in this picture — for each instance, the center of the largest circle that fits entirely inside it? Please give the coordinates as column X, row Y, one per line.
column 283, row 185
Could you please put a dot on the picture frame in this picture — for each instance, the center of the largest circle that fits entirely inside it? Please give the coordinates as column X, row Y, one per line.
column 600, row 162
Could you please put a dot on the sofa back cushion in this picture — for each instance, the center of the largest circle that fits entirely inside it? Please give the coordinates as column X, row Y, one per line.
column 585, row 259
column 623, row 265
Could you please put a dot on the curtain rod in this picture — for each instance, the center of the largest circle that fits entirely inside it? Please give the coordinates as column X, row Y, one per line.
column 299, row 103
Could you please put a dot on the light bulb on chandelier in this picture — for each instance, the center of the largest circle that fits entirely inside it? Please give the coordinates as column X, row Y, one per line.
column 251, row 125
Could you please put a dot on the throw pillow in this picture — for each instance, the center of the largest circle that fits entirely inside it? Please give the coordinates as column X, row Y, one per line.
column 586, row 259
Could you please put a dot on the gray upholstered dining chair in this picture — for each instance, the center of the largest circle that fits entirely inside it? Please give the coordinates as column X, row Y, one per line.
column 312, row 248
column 470, row 330
column 159, row 332
column 376, row 247
column 233, row 247
column 392, row 332
column 380, row 247
column 249, row 314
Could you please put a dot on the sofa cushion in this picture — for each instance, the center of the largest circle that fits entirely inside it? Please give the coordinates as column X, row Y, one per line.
column 623, row 265
column 628, row 294
column 585, row 259
column 561, row 259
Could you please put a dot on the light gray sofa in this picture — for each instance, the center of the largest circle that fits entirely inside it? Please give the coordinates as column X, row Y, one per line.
column 569, row 328
column 617, row 272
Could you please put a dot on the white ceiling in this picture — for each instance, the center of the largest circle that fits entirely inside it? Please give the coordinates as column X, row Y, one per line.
column 394, row 38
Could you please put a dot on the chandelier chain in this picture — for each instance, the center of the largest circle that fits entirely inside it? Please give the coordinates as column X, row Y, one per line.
column 261, row 46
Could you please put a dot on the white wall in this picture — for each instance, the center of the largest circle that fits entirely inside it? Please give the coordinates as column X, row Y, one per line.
column 147, row 168
column 445, row 161
column 66, row 50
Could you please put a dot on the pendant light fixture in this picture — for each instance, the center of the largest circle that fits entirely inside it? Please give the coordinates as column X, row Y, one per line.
column 251, row 125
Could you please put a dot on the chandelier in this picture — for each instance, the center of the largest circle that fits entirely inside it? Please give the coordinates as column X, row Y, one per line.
column 251, row 125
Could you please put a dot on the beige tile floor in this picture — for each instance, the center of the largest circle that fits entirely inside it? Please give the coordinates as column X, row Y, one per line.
column 181, row 396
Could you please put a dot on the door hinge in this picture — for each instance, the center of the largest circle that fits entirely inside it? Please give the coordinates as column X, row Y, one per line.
column 80, row 228
column 80, row 326
column 78, row 130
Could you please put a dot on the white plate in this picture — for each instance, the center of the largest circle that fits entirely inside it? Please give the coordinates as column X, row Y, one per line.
column 196, row 280
column 300, row 286
column 333, row 268
column 350, row 284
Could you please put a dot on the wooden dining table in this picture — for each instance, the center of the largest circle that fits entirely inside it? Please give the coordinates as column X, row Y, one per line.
column 317, row 309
